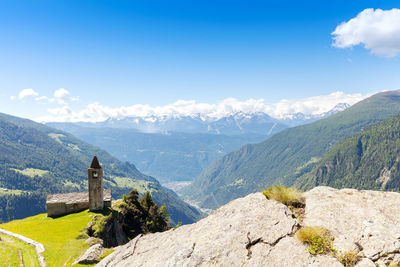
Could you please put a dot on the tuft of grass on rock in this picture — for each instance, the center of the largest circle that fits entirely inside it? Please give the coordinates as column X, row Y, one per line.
column 97, row 225
column 105, row 253
column 289, row 196
column 319, row 239
column 349, row 258
column 82, row 235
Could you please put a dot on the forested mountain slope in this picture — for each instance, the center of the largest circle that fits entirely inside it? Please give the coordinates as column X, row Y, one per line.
column 36, row 160
column 368, row 160
column 287, row 155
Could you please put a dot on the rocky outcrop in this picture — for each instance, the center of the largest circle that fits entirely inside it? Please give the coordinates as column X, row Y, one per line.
column 91, row 255
column 254, row 231
column 364, row 221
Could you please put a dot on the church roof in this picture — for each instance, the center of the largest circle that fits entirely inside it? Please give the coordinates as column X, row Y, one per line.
column 75, row 197
column 95, row 163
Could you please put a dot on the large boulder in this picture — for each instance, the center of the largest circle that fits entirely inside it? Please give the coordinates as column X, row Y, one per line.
column 254, row 231
column 91, row 255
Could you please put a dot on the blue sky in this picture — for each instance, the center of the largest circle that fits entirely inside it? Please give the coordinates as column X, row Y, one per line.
column 122, row 53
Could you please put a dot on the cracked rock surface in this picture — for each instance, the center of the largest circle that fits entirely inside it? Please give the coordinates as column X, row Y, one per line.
column 364, row 221
column 220, row 239
column 254, row 231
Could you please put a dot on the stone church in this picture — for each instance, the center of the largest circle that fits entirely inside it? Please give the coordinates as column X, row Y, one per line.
column 95, row 199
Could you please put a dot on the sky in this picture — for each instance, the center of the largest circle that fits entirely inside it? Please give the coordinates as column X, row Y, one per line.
column 88, row 60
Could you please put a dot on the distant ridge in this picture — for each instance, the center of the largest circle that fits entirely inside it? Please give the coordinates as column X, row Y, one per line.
column 231, row 124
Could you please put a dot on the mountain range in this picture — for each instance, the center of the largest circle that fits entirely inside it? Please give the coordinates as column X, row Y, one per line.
column 36, row 159
column 299, row 118
column 189, row 144
column 286, row 156
column 233, row 124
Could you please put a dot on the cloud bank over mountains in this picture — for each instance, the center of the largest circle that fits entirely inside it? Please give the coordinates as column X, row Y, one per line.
column 96, row 112
column 377, row 30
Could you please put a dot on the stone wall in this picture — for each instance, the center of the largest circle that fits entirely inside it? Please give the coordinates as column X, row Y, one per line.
column 62, row 204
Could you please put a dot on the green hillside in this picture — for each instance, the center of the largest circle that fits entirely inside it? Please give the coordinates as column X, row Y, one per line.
column 287, row 155
column 36, row 160
column 368, row 160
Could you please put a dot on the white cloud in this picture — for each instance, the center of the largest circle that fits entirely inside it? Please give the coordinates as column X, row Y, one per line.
column 314, row 105
column 60, row 96
column 96, row 112
column 378, row 30
column 26, row 93
column 61, row 93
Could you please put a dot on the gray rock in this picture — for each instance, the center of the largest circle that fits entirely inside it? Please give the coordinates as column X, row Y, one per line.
column 365, row 262
column 366, row 221
column 254, row 231
column 227, row 237
column 93, row 240
column 91, row 255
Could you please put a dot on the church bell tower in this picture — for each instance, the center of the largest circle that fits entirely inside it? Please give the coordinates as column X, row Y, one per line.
column 95, row 184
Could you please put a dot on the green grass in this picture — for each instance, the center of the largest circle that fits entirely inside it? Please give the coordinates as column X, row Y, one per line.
column 349, row 258
column 74, row 147
column 56, row 137
column 126, row 182
column 71, row 184
column 286, row 195
column 11, row 192
column 59, row 235
column 105, row 253
column 319, row 239
column 31, row 172
column 9, row 252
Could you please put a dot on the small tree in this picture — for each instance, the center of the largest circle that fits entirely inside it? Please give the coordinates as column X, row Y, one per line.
column 132, row 215
column 142, row 215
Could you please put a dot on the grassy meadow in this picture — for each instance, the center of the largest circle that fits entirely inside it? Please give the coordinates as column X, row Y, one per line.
column 59, row 237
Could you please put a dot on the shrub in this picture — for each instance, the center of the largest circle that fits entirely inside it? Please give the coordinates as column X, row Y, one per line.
column 319, row 239
column 286, row 195
column 82, row 235
column 179, row 224
column 349, row 258
column 133, row 215
column 97, row 225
